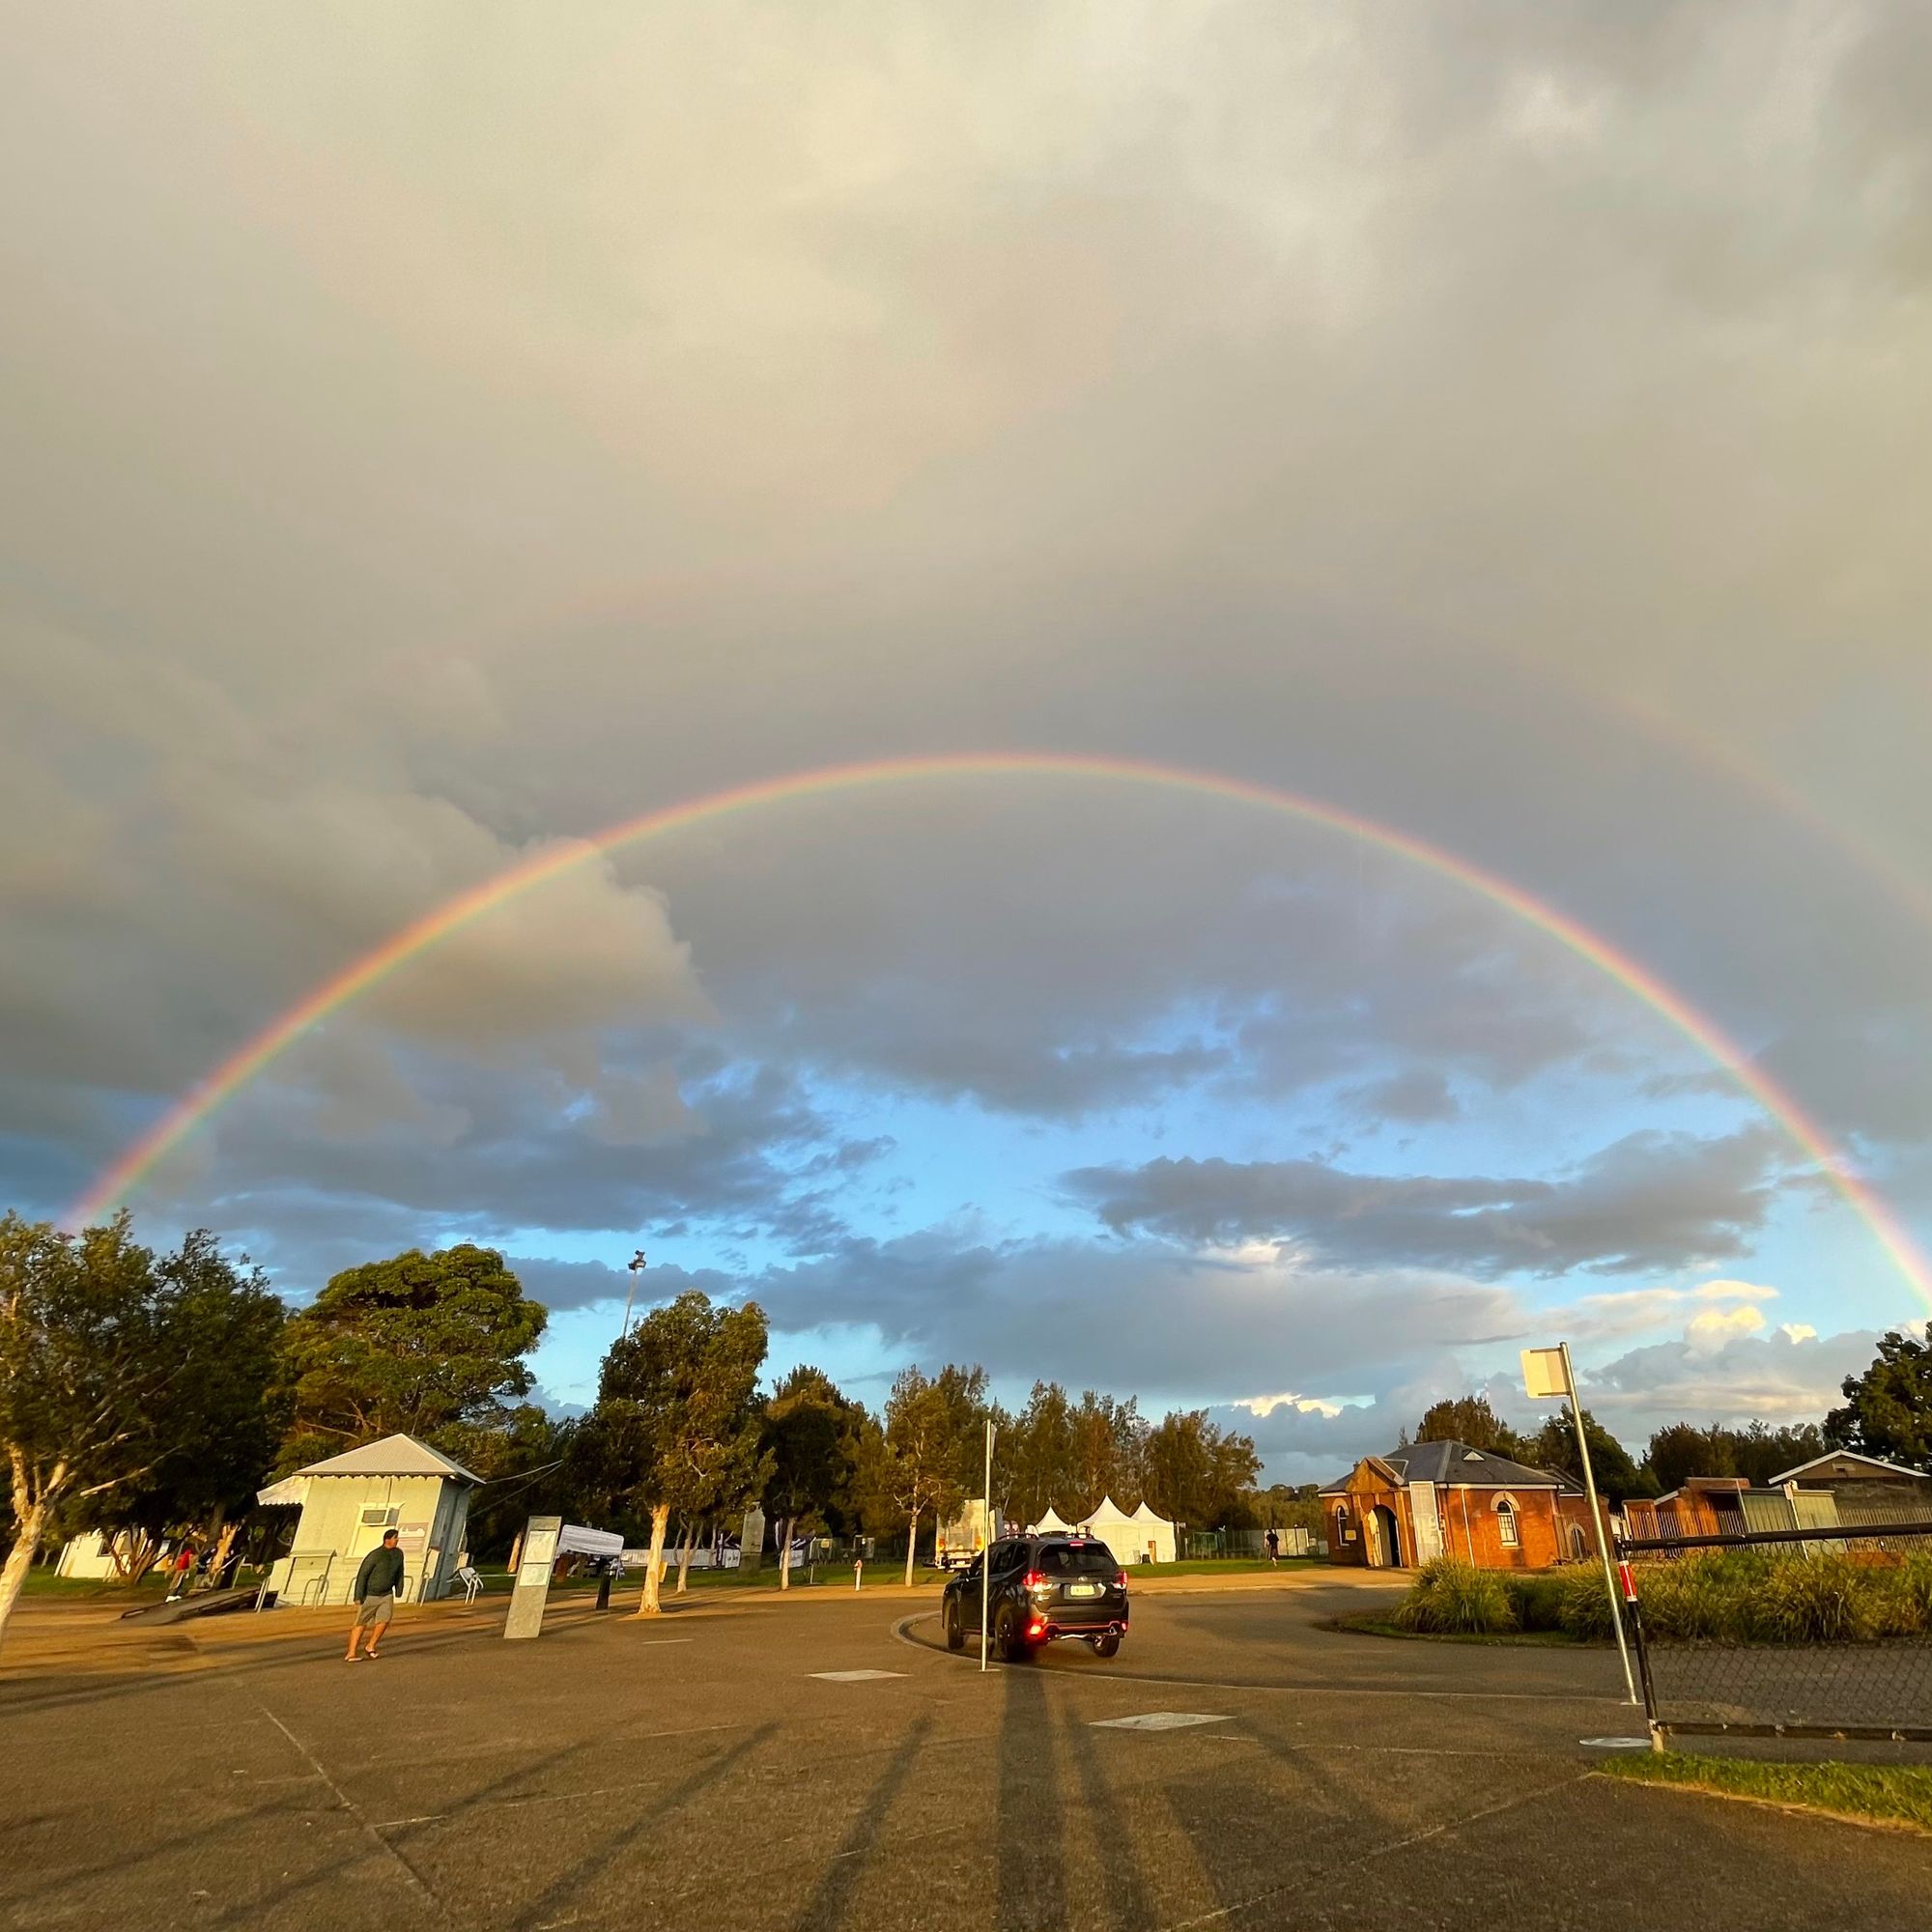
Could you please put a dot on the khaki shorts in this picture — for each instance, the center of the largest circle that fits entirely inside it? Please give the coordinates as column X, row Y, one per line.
column 374, row 1610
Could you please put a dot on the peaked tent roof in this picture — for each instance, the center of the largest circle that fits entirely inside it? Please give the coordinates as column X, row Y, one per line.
column 1147, row 1514
column 1051, row 1524
column 1848, row 1455
column 393, row 1456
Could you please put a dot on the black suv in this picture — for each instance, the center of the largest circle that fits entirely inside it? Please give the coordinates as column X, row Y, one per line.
column 1042, row 1589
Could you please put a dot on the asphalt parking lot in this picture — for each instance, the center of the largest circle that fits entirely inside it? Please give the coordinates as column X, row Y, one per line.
column 824, row 1762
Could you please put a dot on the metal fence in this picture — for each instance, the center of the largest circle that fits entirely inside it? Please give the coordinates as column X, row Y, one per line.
column 1823, row 1631
column 1206, row 1545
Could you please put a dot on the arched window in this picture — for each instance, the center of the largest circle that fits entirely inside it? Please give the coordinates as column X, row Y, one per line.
column 1343, row 1532
column 1579, row 1546
column 1506, row 1529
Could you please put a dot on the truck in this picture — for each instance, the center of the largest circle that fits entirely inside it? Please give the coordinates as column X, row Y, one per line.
column 961, row 1540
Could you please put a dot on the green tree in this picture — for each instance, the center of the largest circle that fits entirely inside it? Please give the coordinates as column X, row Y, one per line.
column 1106, row 1441
column 97, row 1338
column 1197, row 1474
column 1762, row 1452
column 1035, row 1453
column 676, row 1422
column 806, row 1441
column 1469, row 1418
column 430, row 1346
column 1887, row 1409
column 1553, row 1446
column 926, row 1460
column 216, row 1422
column 1682, row 1450
column 527, row 1466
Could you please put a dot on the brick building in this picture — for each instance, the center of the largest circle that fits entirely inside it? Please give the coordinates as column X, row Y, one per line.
column 1447, row 1499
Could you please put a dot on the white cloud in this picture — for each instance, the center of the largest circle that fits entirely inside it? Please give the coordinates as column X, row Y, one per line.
column 1712, row 1331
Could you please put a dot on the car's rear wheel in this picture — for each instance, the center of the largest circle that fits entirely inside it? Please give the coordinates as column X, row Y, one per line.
column 1010, row 1638
column 1106, row 1646
column 955, row 1636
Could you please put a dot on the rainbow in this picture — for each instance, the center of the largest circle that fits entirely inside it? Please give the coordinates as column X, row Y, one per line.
column 222, row 1082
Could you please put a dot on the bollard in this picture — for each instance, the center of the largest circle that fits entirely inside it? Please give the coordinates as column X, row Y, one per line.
column 858, row 1570
column 603, row 1591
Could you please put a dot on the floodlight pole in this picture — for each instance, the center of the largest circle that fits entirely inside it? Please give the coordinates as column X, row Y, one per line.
column 1596, row 1522
column 986, row 1550
column 636, row 1266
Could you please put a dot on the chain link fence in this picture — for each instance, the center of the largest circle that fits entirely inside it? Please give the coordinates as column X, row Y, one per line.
column 1823, row 1631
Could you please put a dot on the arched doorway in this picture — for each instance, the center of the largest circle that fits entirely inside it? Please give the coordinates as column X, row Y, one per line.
column 1386, row 1547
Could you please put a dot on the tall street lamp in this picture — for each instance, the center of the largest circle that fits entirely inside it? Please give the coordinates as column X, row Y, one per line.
column 635, row 1264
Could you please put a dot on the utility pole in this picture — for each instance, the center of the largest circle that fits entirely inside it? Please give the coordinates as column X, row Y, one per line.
column 635, row 1264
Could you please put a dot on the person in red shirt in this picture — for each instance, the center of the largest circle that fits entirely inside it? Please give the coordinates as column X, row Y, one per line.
column 183, row 1569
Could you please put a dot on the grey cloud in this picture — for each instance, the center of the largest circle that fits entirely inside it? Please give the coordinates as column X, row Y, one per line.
column 1769, row 1374
column 1361, row 412
column 750, row 1159
column 1650, row 1201
column 1149, row 1320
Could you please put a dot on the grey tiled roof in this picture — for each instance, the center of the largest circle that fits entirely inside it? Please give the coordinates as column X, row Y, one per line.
column 1460, row 1466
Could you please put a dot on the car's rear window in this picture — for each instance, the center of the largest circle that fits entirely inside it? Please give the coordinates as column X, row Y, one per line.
column 1077, row 1560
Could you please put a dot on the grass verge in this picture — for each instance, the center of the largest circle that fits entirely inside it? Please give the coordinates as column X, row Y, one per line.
column 1872, row 1794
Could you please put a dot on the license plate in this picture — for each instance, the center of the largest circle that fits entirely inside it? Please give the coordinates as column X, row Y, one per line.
column 1083, row 1590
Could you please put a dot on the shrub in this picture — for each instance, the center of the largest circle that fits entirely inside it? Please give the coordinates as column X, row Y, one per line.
column 1584, row 1601
column 1695, row 1596
column 1905, row 1597
column 1455, row 1598
column 1536, row 1601
column 1824, row 1599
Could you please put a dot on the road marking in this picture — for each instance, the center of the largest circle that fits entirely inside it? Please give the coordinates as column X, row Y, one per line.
column 410, row 1875
column 1158, row 1721
column 853, row 1676
column 1616, row 1744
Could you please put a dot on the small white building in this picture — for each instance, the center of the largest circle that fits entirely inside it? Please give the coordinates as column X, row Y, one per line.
column 348, row 1502
column 90, row 1556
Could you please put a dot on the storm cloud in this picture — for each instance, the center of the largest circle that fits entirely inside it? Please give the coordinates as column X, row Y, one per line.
column 433, row 443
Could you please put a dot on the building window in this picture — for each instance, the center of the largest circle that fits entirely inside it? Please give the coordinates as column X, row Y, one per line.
column 1578, row 1547
column 1345, row 1532
column 1506, row 1531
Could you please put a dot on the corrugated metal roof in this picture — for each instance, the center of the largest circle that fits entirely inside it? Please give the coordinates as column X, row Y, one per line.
column 393, row 1456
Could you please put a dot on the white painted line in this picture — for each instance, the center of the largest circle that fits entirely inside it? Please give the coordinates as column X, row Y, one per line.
column 1616, row 1744
column 854, row 1676
column 1158, row 1721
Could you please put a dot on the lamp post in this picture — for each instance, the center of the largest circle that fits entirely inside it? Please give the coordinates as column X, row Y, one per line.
column 636, row 1266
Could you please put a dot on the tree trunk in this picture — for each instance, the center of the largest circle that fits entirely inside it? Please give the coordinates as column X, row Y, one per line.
column 685, row 1547
column 911, row 1543
column 28, row 1527
column 785, row 1552
column 654, row 1563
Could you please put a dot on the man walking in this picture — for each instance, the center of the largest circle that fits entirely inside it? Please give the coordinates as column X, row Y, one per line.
column 378, row 1583
column 1273, row 1544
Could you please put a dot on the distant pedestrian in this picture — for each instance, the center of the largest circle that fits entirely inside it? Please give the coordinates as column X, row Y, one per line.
column 1274, row 1544
column 378, row 1583
column 183, row 1569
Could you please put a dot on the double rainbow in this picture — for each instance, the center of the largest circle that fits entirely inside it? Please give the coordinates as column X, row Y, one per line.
column 220, row 1085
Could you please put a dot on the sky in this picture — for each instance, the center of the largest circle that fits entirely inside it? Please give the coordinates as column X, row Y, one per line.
column 435, row 434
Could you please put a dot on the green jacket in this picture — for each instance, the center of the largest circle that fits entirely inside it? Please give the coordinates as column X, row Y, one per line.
column 380, row 1574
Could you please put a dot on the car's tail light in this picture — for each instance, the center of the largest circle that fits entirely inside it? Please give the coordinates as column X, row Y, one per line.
column 1121, row 1579
column 1034, row 1580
